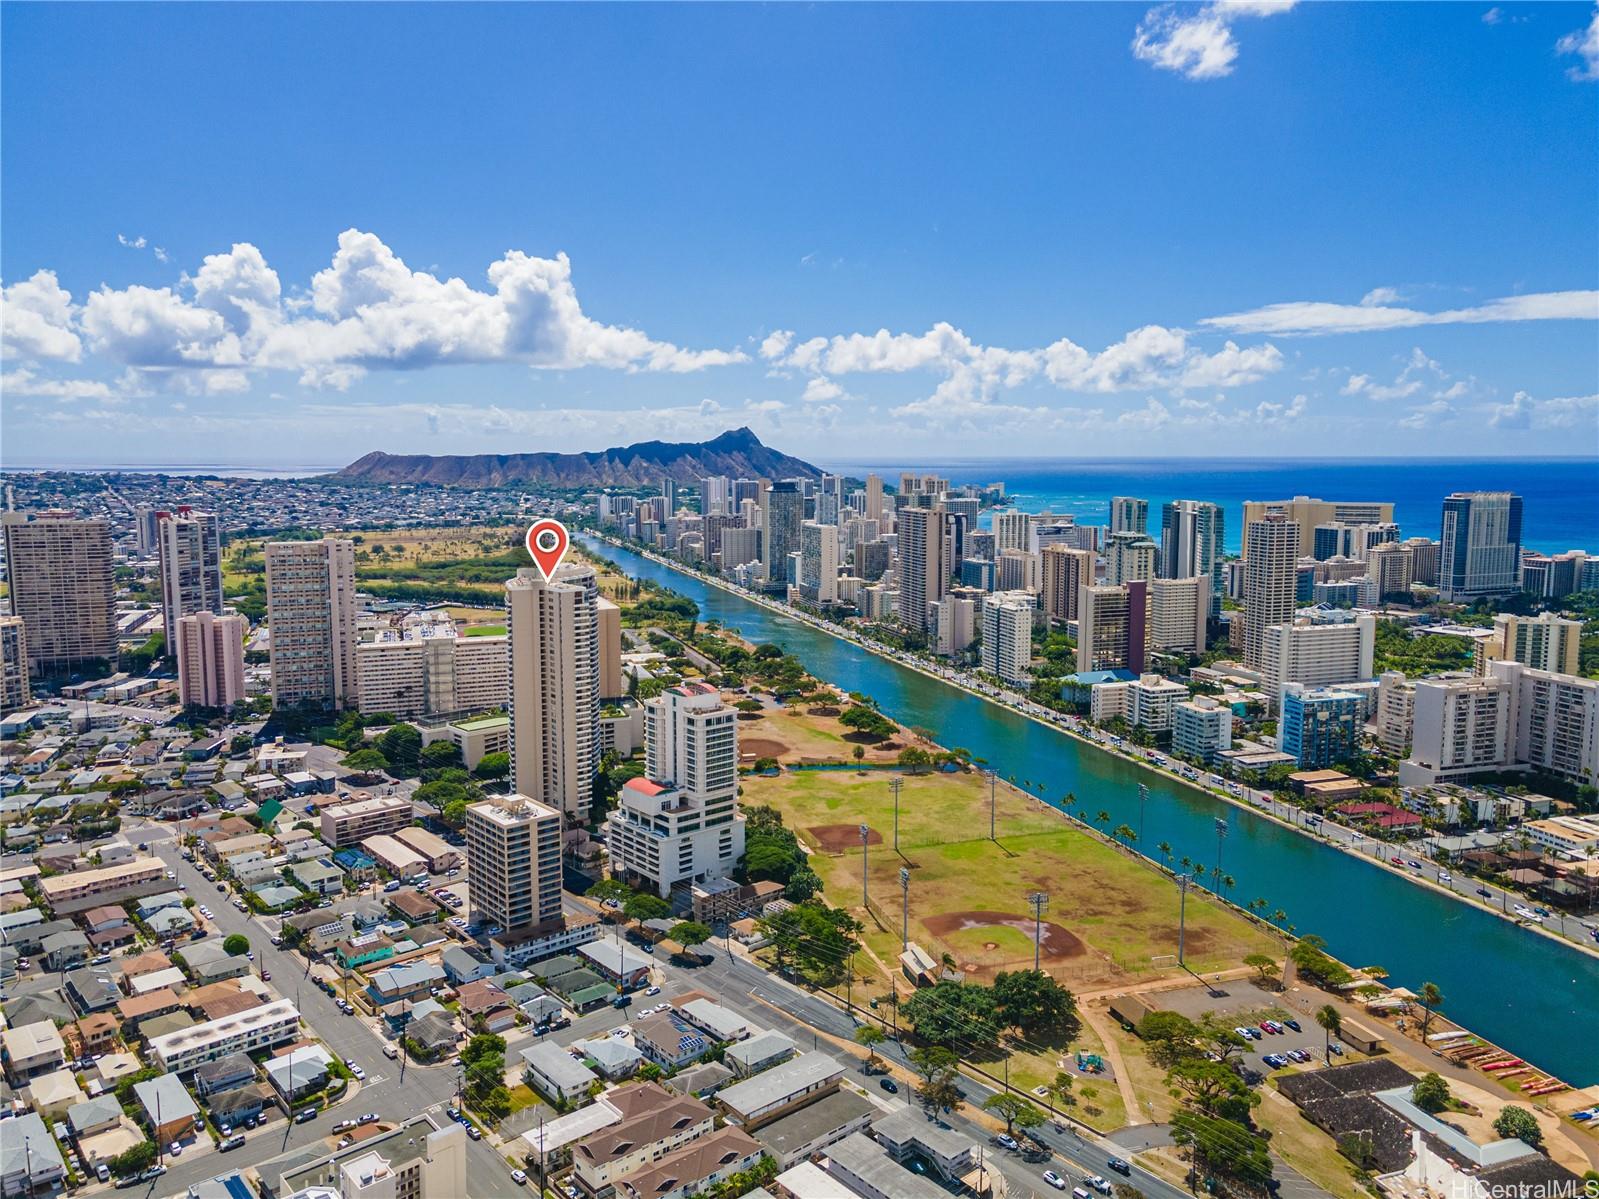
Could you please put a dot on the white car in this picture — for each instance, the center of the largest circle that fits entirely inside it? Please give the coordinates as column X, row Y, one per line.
column 653, row 991
column 519, row 1177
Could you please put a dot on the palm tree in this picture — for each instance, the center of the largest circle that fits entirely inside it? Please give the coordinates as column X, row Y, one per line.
column 1125, row 833
column 1102, row 819
column 1187, row 863
column 1227, row 882
column 1332, row 1025
column 1430, row 997
column 1164, row 847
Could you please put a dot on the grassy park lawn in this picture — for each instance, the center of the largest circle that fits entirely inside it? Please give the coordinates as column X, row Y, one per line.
column 410, row 546
column 931, row 806
column 797, row 736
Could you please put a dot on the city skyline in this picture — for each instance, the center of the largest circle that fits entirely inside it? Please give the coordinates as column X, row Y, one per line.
column 1043, row 262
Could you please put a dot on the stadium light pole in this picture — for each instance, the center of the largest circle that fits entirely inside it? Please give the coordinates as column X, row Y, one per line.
column 894, row 785
column 1182, row 913
column 1221, row 835
column 904, row 909
column 1143, row 800
column 866, row 899
column 1038, row 901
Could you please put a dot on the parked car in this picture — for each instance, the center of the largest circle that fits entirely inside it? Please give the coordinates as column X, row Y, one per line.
column 1054, row 1180
column 1005, row 1141
column 889, row 1085
column 233, row 1142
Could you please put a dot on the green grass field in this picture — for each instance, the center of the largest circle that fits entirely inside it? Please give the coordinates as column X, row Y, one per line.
column 1116, row 913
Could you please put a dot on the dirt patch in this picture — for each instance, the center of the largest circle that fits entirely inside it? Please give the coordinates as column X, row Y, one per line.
column 837, row 838
column 1195, row 940
column 751, row 748
column 1055, row 943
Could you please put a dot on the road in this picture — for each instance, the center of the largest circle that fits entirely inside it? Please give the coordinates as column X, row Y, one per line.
column 396, row 1094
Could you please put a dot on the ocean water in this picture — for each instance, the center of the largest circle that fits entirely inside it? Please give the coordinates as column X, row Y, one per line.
column 1561, row 496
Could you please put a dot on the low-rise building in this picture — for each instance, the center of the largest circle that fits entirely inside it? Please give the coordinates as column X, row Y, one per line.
column 171, row 1113
column 347, row 823
column 758, row 1100
column 555, row 1073
column 30, row 1160
column 809, row 1130
column 759, row 1052
column 31, row 1050
column 259, row 1028
column 696, row 1167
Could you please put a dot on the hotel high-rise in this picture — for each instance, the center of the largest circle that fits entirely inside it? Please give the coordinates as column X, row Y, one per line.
column 1271, row 579
column 1481, row 555
column 923, row 570
column 210, row 654
column 554, row 635
column 62, row 586
column 311, row 615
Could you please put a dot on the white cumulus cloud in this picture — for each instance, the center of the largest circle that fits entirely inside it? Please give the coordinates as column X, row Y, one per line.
column 36, row 320
column 1584, row 43
column 1197, row 43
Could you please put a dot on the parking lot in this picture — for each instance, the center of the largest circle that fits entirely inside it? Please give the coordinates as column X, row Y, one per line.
column 1242, row 1004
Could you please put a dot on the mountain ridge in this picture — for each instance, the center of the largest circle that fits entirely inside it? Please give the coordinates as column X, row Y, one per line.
column 736, row 453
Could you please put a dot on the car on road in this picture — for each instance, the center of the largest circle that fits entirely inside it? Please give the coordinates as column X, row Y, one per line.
column 152, row 1173
column 473, row 1131
column 369, row 1118
column 174, row 1149
column 1005, row 1141
column 1099, row 1184
column 1337, row 1049
column 390, row 1050
column 234, row 1142
column 1396, row 861
column 360, row 1074
column 519, row 1177
column 304, row 1114
column 889, row 1085
column 453, row 1113
column 1445, row 877
column 266, row 976
column 1120, row 1166
column 1054, row 1180
column 1485, row 893
column 172, row 874
column 652, row 990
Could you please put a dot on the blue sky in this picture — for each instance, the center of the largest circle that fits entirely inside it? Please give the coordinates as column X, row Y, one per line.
column 292, row 234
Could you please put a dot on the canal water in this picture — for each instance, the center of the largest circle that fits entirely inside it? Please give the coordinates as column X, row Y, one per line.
column 1525, row 992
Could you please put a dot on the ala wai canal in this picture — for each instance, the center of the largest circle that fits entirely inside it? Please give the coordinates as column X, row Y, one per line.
column 1525, row 992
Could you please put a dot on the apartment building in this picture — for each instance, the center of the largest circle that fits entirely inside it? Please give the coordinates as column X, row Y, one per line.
column 819, row 562
column 1179, row 614
column 210, row 654
column 554, row 686
column 1556, row 720
column 1319, row 655
column 16, row 690
column 425, row 673
column 1193, row 538
column 1064, row 572
column 80, row 889
column 608, row 622
column 1129, row 557
column 1462, row 724
column 1544, row 642
column 1112, row 627
column 513, row 850
column 1396, row 712
column 189, row 545
column 1319, row 726
column 347, row 823
column 412, row 1161
column 1201, row 728
column 680, row 824
column 61, row 585
column 923, row 569
column 263, row 1027
column 954, row 622
column 1148, row 701
column 311, row 615
column 1007, row 644
column 696, row 1168
column 613, row 1153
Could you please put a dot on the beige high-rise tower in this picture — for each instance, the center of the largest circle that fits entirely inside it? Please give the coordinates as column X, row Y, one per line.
column 210, row 654
column 513, row 851
column 62, row 586
column 311, row 617
column 555, row 686
column 1270, row 580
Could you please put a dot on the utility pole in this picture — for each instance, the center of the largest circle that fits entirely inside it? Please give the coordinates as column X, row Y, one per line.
column 904, row 908
column 894, row 784
column 1143, row 799
column 866, row 899
column 993, row 779
column 1038, row 900
column 1182, row 913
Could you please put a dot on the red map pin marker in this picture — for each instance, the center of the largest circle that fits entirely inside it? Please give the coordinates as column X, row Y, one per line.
column 547, row 542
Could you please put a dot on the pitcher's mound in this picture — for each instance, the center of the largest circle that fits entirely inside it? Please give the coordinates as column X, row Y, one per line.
column 837, row 838
column 1055, row 943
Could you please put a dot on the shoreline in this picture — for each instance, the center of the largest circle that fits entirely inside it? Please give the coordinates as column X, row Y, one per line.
column 781, row 609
